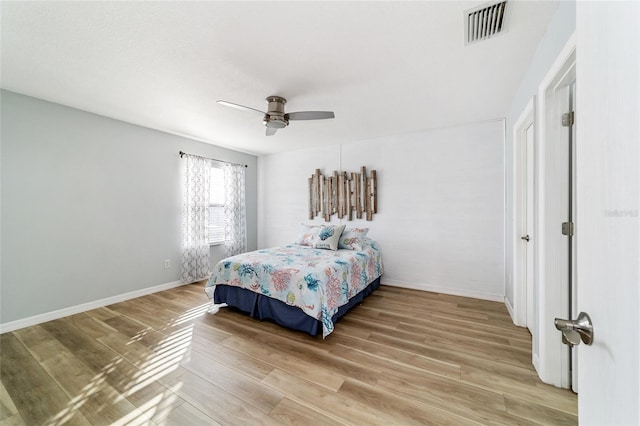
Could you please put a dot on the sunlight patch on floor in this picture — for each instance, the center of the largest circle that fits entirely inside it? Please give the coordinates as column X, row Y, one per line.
column 164, row 358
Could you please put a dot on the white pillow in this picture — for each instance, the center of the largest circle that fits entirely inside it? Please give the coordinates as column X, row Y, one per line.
column 328, row 237
column 353, row 238
column 308, row 234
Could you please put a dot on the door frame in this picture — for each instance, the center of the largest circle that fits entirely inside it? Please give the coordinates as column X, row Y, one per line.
column 550, row 356
column 521, row 161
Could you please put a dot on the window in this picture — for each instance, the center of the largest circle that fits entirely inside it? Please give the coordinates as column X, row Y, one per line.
column 215, row 230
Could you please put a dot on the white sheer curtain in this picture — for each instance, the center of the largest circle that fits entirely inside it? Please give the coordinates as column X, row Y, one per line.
column 195, row 219
column 235, row 211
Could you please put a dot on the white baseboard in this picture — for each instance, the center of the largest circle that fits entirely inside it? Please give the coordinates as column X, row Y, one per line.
column 507, row 303
column 72, row 310
column 445, row 290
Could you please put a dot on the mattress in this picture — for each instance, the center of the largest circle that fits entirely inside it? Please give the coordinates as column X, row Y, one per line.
column 313, row 281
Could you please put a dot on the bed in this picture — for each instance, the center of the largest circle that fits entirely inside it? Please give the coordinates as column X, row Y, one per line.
column 297, row 286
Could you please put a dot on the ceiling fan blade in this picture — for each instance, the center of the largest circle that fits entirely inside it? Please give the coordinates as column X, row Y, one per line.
column 237, row 106
column 310, row 115
column 271, row 131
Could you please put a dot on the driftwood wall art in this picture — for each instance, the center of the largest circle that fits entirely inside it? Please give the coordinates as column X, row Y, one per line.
column 344, row 194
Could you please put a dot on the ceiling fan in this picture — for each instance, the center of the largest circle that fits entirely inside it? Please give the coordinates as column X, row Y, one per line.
column 275, row 118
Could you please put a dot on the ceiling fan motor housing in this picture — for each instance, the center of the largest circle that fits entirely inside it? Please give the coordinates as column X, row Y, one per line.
column 275, row 116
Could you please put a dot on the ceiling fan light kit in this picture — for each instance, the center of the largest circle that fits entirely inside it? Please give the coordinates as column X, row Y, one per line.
column 275, row 118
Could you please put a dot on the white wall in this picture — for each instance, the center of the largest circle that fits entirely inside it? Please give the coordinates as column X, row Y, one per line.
column 90, row 206
column 440, row 217
column 561, row 26
column 559, row 31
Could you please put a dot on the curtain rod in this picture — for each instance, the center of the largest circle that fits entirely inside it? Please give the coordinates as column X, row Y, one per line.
column 214, row 159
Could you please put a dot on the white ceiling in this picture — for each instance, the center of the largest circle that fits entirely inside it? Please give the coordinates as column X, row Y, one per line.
column 385, row 68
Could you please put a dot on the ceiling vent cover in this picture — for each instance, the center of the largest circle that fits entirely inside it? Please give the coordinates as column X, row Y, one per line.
column 484, row 21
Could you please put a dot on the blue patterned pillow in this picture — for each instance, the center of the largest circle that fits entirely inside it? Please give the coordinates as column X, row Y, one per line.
column 328, row 237
column 353, row 239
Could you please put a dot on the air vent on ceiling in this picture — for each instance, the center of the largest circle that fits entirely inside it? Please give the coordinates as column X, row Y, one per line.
column 484, row 21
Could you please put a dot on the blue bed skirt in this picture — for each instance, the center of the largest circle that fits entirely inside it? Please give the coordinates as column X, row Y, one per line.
column 264, row 307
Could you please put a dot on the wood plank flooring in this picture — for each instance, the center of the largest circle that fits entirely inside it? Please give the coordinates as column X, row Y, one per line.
column 401, row 357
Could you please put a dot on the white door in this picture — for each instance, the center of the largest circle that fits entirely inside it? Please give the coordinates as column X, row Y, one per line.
column 608, row 195
column 523, row 136
column 528, row 224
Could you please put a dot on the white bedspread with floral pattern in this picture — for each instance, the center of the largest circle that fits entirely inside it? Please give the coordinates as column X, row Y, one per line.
column 317, row 281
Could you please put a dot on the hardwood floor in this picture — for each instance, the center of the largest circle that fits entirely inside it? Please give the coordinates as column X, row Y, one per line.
column 401, row 357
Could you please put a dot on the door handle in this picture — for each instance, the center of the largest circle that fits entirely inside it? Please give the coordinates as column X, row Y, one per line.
column 526, row 238
column 575, row 331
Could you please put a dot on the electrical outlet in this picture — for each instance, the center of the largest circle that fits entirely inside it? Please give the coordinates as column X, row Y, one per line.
column 167, row 263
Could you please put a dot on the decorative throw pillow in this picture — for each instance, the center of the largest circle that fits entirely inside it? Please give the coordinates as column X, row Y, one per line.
column 328, row 237
column 308, row 234
column 353, row 238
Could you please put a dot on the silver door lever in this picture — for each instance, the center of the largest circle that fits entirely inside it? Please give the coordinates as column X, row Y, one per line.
column 576, row 330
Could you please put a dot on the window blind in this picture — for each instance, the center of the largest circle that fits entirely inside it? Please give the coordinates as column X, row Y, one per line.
column 215, row 229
